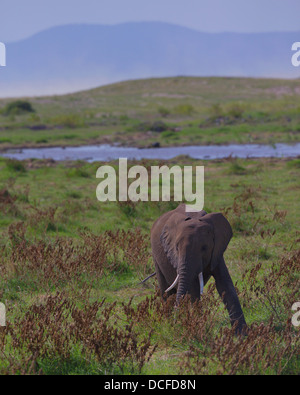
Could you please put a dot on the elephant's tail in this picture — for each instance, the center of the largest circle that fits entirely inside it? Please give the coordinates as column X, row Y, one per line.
column 147, row 278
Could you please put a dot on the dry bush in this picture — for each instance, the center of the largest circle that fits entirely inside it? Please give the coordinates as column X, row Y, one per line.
column 42, row 220
column 243, row 214
column 193, row 319
column 115, row 335
column 263, row 350
column 273, row 288
column 271, row 346
column 51, row 330
column 61, row 260
column 150, row 312
column 249, row 213
column 6, row 198
column 7, row 203
column 122, row 250
column 120, row 338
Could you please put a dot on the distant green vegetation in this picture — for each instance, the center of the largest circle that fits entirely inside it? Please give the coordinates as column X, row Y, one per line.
column 17, row 107
column 190, row 110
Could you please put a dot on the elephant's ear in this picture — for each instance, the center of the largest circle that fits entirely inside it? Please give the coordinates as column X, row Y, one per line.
column 167, row 239
column 222, row 235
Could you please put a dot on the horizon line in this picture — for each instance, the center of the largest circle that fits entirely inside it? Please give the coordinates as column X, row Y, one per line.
column 146, row 22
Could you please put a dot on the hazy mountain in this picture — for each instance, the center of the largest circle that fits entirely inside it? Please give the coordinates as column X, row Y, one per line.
column 73, row 57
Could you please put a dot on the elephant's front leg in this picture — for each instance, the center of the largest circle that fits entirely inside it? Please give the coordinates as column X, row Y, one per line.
column 163, row 284
column 228, row 293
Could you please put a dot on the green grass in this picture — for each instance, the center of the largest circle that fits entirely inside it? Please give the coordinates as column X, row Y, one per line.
column 70, row 266
column 62, row 253
column 194, row 110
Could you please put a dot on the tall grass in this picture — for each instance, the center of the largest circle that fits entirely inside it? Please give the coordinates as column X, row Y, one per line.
column 70, row 273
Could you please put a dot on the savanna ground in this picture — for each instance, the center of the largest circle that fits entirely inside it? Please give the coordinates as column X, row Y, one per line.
column 71, row 267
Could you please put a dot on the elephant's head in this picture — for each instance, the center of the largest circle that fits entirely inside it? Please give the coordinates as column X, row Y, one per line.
column 193, row 243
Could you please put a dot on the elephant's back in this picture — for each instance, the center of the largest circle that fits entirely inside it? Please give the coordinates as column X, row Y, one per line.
column 159, row 224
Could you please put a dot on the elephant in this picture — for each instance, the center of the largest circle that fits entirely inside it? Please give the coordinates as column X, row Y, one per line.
column 187, row 249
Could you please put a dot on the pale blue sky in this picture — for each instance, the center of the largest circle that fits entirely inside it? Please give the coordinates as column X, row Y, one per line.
column 22, row 18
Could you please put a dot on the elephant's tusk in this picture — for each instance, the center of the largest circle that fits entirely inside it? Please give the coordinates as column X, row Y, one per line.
column 201, row 283
column 173, row 285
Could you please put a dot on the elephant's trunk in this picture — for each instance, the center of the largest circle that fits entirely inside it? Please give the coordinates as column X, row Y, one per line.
column 184, row 282
column 187, row 275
